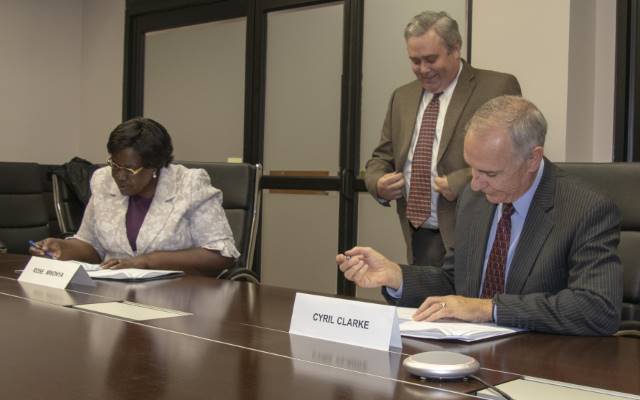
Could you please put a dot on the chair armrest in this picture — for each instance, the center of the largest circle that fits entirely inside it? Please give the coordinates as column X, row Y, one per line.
column 237, row 273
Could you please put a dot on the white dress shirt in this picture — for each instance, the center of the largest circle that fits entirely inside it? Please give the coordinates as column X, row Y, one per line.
column 445, row 98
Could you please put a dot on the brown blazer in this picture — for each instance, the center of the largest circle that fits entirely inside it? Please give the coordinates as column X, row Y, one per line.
column 474, row 88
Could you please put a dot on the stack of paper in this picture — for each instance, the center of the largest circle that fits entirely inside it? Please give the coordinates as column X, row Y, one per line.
column 451, row 329
column 126, row 274
column 87, row 266
column 134, row 274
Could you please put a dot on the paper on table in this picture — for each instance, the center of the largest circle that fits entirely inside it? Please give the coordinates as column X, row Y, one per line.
column 87, row 266
column 133, row 311
column 465, row 331
column 134, row 274
column 125, row 274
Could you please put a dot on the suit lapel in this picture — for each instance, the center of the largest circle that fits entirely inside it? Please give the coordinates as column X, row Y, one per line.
column 461, row 94
column 409, row 115
column 116, row 208
column 478, row 236
column 159, row 211
column 535, row 231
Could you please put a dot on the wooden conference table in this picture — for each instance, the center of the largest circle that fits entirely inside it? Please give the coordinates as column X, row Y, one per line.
column 236, row 346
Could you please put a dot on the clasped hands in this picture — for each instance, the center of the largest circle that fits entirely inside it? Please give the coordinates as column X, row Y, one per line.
column 391, row 186
column 368, row 268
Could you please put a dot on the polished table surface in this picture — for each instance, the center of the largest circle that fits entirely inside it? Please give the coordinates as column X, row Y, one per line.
column 236, row 346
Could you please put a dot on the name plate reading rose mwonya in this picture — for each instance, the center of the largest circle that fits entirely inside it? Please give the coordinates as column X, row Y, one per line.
column 54, row 273
column 346, row 321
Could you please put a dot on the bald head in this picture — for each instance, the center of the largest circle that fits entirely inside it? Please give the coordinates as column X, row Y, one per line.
column 512, row 115
column 503, row 147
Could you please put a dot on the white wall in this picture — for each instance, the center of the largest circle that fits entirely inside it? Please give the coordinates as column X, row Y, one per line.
column 62, row 63
column 605, row 54
column 579, row 132
column 60, row 78
column 102, row 75
column 562, row 52
column 194, row 86
column 40, row 66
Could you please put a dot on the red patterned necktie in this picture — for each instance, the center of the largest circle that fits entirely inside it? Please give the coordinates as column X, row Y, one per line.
column 419, row 202
column 494, row 277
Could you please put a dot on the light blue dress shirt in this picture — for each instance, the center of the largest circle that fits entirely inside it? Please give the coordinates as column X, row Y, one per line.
column 521, row 209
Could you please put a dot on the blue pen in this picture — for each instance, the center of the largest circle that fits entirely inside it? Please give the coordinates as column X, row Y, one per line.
column 46, row 253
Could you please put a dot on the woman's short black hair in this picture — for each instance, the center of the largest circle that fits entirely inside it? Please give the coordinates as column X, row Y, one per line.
column 147, row 137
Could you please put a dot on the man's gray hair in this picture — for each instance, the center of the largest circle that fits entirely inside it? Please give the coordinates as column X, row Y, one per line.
column 522, row 119
column 445, row 26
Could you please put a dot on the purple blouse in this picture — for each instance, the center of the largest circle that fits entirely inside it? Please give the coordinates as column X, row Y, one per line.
column 138, row 207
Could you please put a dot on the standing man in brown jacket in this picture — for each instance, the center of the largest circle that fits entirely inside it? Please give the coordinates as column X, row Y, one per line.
column 435, row 107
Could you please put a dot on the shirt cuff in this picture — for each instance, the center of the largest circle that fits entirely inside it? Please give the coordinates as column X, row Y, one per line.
column 495, row 312
column 393, row 293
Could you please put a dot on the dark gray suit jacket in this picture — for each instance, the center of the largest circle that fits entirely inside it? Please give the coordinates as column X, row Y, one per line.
column 474, row 88
column 565, row 275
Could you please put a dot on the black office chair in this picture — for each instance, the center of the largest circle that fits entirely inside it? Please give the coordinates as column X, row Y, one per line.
column 621, row 183
column 71, row 192
column 47, row 193
column 241, row 198
column 68, row 208
column 23, row 211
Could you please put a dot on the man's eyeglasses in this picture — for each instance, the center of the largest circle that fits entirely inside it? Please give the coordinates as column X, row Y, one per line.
column 128, row 171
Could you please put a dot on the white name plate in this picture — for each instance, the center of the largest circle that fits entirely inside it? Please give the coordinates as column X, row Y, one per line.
column 54, row 273
column 346, row 321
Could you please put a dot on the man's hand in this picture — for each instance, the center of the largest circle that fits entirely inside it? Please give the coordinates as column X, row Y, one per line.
column 390, row 186
column 458, row 307
column 442, row 186
column 369, row 269
column 133, row 262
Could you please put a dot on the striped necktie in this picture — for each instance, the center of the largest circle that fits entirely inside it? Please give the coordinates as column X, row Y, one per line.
column 494, row 277
column 419, row 202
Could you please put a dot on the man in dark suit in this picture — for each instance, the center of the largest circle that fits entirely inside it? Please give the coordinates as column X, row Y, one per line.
column 535, row 249
column 433, row 45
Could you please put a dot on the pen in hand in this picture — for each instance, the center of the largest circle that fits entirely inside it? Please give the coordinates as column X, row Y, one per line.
column 37, row 246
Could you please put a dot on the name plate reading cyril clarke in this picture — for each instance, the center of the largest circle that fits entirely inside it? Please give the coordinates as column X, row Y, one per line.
column 54, row 273
column 346, row 321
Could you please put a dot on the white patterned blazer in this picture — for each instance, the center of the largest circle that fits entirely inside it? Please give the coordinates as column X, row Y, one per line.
column 186, row 212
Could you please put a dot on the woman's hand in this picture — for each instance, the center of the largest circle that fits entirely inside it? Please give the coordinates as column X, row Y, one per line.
column 49, row 247
column 140, row 262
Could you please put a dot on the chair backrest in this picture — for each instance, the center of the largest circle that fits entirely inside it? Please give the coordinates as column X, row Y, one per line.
column 621, row 183
column 23, row 211
column 68, row 208
column 47, row 192
column 240, row 186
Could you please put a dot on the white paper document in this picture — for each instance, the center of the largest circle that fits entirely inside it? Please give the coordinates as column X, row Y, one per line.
column 133, row 274
column 87, row 266
column 465, row 331
column 132, row 311
column 95, row 271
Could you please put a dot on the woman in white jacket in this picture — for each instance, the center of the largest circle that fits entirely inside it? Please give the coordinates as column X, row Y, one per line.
column 145, row 212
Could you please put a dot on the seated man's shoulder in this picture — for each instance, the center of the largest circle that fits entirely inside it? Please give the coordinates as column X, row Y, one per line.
column 582, row 197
